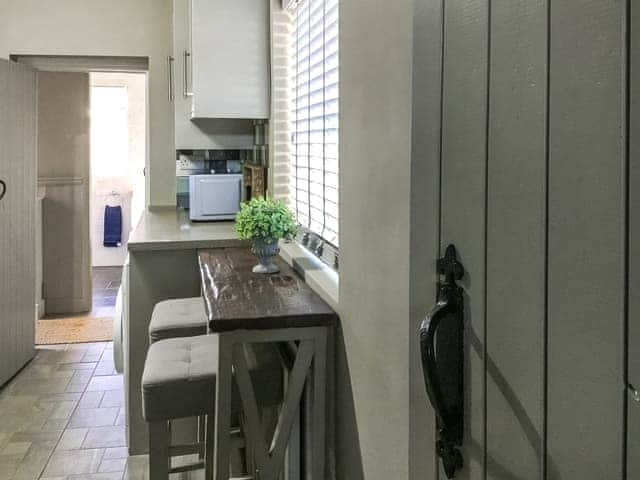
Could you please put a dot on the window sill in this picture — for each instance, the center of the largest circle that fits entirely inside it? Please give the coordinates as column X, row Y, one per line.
column 320, row 277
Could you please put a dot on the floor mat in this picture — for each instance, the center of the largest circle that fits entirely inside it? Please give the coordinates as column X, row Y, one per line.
column 74, row 330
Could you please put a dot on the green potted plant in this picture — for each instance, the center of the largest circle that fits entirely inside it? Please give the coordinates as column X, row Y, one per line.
column 264, row 222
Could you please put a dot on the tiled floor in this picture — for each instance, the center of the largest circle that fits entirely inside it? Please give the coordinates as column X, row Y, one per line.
column 62, row 418
column 106, row 281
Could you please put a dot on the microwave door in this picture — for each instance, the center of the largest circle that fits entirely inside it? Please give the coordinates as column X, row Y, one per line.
column 217, row 197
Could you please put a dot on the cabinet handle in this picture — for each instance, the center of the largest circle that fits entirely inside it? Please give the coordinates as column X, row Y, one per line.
column 170, row 60
column 3, row 189
column 185, row 74
column 442, row 352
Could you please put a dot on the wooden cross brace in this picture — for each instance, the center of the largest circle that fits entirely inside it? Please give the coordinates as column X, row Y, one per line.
column 308, row 370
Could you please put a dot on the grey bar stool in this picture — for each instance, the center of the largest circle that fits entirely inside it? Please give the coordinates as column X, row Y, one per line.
column 180, row 317
column 179, row 380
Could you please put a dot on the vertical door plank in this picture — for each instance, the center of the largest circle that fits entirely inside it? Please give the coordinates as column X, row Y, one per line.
column 463, row 196
column 516, row 232
column 5, row 284
column 26, row 328
column 14, row 198
column 586, row 238
column 425, row 193
column 633, row 427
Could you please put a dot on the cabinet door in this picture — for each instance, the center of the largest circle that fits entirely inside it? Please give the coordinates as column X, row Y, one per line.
column 230, row 41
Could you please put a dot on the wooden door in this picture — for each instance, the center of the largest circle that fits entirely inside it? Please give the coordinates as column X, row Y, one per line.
column 633, row 342
column 533, row 193
column 17, row 216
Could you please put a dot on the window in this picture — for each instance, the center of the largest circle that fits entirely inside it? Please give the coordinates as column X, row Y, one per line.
column 314, row 130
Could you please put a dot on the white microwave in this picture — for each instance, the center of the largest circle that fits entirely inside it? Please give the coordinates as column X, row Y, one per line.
column 214, row 197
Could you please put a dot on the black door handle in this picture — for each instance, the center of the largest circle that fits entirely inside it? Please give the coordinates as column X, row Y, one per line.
column 3, row 189
column 442, row 351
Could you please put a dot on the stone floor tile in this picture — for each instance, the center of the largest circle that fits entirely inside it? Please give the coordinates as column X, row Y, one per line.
column 37, row 437
column 73, row 356
column 34, row 386
column 15, row 449
column 34, row 462
column 94, row 417
column 105, row 367
column 118, row 452
column 77, row 387
column 103, row 437
column 91, row 399
column 121, row 417
column 73, row 462
column 78, row 366
column 72, row 439
column 109, row 382
column 63, row 410
column 98, row 476
column 113, row 465
column 60, row 397
column 82, row 376
column 54, row 424
column 8, row 466
column 137, row 468
column 113, row 398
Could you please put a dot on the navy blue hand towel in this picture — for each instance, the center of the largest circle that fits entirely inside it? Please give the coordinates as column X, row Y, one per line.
column 112, row 226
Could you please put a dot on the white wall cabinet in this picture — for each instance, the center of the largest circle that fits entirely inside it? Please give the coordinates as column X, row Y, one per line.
column 230, row 58
column 216, row 125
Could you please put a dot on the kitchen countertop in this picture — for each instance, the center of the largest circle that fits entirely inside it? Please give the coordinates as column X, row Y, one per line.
column 168, row 228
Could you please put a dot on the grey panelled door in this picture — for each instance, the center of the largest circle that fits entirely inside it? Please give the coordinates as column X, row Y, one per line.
column 17, row 216
column 633, row 430
column 533, row 195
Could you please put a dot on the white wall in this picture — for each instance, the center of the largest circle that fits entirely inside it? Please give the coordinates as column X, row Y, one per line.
column 375, row 194
column 113, row 28
column 130, row 182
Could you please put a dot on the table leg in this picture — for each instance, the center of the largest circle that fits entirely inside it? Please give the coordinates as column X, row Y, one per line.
column 318, row 407
column 223, row 409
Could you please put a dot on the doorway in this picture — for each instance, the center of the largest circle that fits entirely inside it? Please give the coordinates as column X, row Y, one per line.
column 91, row 165
column 118, row 144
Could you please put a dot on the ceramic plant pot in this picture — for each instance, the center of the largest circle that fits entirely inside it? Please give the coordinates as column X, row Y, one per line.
column 265, row 250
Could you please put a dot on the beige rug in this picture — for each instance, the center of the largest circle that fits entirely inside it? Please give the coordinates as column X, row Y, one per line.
column 74, row 330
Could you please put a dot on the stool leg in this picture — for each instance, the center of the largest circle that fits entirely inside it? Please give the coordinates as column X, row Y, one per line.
column 208, row 446
column 159, row 459
column 201, row 433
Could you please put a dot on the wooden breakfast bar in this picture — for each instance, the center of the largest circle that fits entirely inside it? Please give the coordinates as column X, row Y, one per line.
column 244, row 308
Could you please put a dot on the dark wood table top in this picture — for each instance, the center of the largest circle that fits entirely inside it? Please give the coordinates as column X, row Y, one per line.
column 238, row 299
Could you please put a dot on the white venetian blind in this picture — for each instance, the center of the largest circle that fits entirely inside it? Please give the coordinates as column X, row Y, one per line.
column 314, row 116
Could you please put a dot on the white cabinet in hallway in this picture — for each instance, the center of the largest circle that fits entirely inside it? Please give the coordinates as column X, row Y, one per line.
column 17, row 216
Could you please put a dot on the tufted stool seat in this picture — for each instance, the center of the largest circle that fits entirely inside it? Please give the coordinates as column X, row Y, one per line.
column 179, row 380
column 180, row 317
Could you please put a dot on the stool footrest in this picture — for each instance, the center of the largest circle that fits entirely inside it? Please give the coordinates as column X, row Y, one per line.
column 186, row 449
column 187, row 468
